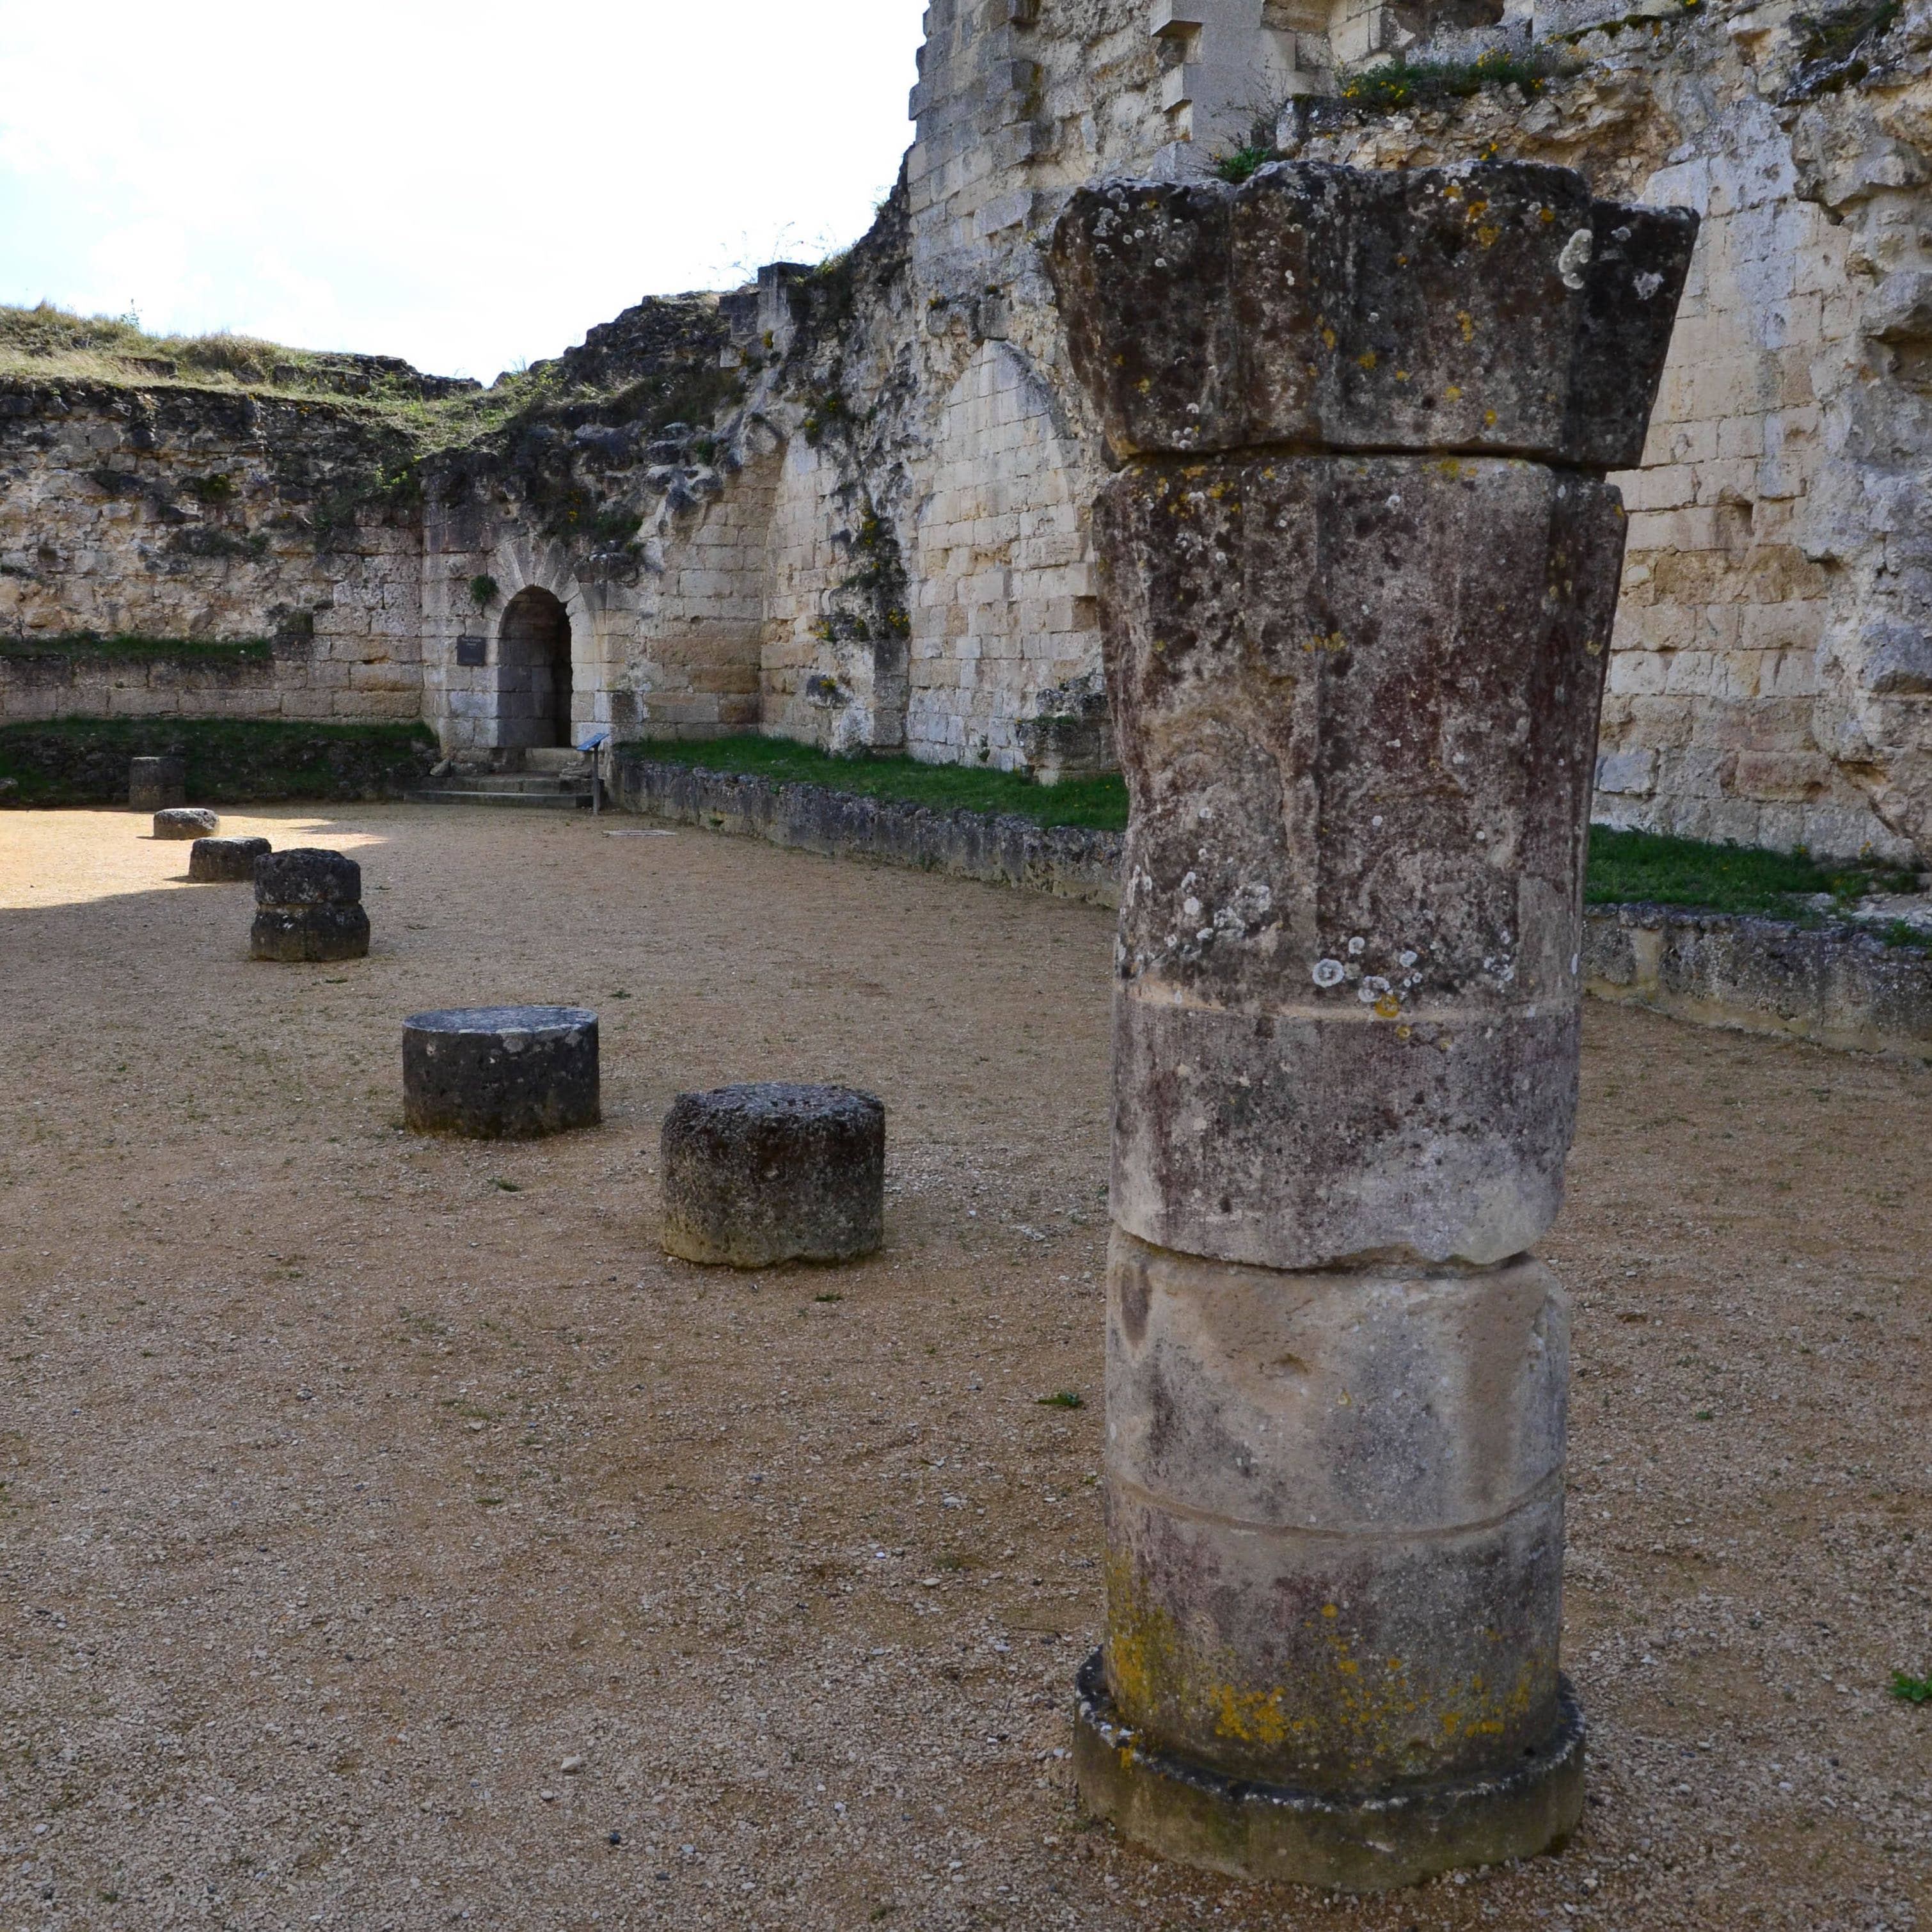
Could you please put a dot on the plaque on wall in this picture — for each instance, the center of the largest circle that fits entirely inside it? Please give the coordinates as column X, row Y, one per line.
column 471, row 651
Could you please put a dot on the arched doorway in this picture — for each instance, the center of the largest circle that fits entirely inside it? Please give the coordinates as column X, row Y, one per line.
column 533, row 691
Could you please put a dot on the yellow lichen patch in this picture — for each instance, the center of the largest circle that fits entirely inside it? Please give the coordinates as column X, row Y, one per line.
column 1402, row 375
column 1328, row 338
column 1254, row 1717
column 1367, row 360
column 1388, row 1006
column 1488, row 235
column 1333, row 641
column 1144, row 384
column 1489, row 419
column 1468, row 324
column 1454, row 392
column 1140, row 1642
column 1548, row 215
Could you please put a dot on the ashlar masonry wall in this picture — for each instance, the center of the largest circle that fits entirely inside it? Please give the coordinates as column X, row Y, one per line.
column 1762, row 688
column 1004, row 606
column 1715, row 672
column 180, row 514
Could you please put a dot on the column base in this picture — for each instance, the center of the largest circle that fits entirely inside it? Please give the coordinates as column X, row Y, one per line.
column 1274, row 1832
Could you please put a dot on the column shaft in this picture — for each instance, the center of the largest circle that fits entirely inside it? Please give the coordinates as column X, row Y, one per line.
column 1359, row 568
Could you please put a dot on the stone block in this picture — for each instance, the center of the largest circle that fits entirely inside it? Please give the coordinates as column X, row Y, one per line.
column 501, row 1073
column 185, row 822
column 308, row 907
column 225, row 861
column 759, row 1174
column 156, row 785
column 1322, row 1477
column 1632, row 774
column 1781, row 776
column 1489, row 306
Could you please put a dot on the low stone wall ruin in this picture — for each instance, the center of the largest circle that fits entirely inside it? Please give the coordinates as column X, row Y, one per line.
column 1835, row 985
column 1070, row 862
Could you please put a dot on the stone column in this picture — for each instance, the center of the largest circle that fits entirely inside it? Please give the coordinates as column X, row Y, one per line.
column 1358, row 570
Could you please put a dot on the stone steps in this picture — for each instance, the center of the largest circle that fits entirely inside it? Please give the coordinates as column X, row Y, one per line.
column 555, row 796
column 504, row 781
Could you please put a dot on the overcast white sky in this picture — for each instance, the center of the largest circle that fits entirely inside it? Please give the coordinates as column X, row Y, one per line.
column 471, row 186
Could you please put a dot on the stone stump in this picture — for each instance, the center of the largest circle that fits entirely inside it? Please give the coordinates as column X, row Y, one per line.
column 224, row 861
column 308, row 907
column 1357, row 572
column 185, row 821
column 501, row 1073
column 759, row 1174
column 154, row 785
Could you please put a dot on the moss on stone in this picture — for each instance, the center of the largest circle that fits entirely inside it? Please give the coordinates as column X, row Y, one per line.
column 83, row 761
column 141, row 650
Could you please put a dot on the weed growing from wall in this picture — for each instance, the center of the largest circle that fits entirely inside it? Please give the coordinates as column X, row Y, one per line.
column 1402, row 82
column 1247, row 159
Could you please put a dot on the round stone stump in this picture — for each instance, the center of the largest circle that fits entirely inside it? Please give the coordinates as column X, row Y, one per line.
column 754, row 1175
column 501, row 1073
column 308, row 907
column 227, row 861
column 185, row 821
column 153, row 785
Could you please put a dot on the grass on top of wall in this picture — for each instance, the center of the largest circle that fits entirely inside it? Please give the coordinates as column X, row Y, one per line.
column 1646, row 867
column 1096, row 803
column 83, row 761
column 130, row 649
column 1625, row 867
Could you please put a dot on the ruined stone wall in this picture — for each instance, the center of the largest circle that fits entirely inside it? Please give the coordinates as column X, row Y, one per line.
column 175, row 515
column 958, row 436
column 850, row 504
column 1771, row 681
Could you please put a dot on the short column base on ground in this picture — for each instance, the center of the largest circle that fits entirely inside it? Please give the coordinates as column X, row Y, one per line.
column 187, row 821
column 308, row 907
column 225, row 861
column 153, row 785
column 309, row 935
column 759, row 1174
column 1274, row 1834
column 501, row 1073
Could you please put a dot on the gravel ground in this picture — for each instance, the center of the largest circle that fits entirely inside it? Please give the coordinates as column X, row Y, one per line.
column 390, row 1536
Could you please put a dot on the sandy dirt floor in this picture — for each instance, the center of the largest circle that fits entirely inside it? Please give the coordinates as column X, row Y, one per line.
column 390, row 1537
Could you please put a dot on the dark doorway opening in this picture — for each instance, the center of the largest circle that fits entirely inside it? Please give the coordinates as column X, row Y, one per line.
column 533, row 691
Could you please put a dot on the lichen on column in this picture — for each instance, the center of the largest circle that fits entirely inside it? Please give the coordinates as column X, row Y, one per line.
column 1359, row 565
